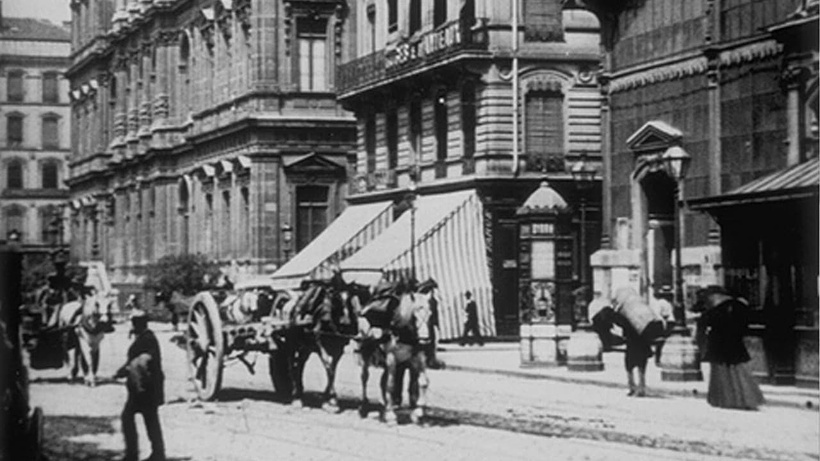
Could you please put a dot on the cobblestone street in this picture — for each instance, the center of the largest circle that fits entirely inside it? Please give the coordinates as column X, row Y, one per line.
column 472, row 416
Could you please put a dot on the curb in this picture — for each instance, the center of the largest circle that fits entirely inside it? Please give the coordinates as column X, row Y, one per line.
column 809, row 403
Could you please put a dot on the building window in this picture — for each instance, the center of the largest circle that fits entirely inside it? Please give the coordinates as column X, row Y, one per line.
column 51, row 175
column 415, row 130
column 415, row 16
column 440, row 116
column 14, row 130
column 312, row 38
column 209, row 222
column 544, row 124
column 51, row 134
column 370, row 141
column 51, row 93
column 392, row 135
column 371, row 23
column 392, row 16
column 14, row 88
column 48, row 226
column 15, row 220
column 543, row 21
column 468, row 118
column 14, row 174
column 311, row 213
column 439, row 12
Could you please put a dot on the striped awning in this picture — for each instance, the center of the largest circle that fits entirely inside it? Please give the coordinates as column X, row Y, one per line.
column 352, row 230
column 449, row 247
column 795, row 182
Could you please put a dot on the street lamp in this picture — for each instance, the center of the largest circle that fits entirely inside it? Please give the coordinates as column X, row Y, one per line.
column 583, row 174
column 676, row 162
column 680, row 360
column 287, row 238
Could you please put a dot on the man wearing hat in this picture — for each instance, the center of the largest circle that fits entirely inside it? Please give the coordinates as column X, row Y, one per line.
column 429, row 286
column 144, row 381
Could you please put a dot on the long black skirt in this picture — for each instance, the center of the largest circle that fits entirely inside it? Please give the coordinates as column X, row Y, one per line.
column 733, row 386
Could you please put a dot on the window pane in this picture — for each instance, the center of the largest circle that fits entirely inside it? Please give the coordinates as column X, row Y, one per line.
column 15, row 86
column 14, row 127
column 50, row 92
column 318, row 56
column 50, row 176
column 14, row 175
column 51, row 138
column 543, row 259
column 304, row 64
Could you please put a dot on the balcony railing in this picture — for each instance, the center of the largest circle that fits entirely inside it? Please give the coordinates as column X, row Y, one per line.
column 412, row 53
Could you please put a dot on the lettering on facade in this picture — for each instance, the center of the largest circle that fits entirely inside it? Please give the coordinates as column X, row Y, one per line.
column 427, row 45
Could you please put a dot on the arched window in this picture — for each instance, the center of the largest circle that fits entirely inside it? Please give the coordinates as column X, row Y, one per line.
column 51, row 92
column 51, row 175
column 14, row 86
column 14, row 174
column 51, row 133
column 14, row 130
column 15, row 219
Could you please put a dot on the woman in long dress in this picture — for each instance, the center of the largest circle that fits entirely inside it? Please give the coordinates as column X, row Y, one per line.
column 721, row 328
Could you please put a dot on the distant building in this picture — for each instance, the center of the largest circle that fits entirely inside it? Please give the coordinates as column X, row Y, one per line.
column 431, row 86
column 35, row 131
column 734, row 84
column 206, row 127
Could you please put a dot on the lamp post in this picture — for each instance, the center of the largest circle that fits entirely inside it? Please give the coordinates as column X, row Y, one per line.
column 583, row 175
column 287, row 238
column 680, row 360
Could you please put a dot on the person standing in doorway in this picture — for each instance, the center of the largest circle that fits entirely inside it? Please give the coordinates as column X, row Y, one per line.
column 472, row 333
column 144, row 381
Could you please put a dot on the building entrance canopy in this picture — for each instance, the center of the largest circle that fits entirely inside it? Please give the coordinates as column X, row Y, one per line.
column 352, row 230
column 449, row 247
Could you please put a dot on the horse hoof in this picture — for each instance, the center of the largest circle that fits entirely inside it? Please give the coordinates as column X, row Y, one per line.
column 416, row 415
column 363, row 410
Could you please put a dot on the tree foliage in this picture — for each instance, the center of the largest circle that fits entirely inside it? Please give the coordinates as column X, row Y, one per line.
column 183, row 273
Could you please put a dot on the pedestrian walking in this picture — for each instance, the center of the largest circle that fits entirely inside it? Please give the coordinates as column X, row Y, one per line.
column 472, row 333
column 144, row 381
column 720, row 331
column 429, row 287
column 640, row 326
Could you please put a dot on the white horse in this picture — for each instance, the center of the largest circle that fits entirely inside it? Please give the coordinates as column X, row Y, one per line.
column 85, row 322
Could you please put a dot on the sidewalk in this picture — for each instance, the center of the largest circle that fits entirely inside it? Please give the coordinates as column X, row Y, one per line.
column 505, row 359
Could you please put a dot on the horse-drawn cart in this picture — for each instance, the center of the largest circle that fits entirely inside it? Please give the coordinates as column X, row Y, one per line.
column 226, row 326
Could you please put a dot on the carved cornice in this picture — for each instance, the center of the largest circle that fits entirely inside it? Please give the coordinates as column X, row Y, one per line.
column 693, row 66
column 751, row 52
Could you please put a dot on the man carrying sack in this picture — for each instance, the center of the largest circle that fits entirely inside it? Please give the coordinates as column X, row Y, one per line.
column 641, row 326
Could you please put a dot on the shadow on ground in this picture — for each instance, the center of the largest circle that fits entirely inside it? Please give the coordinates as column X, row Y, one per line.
column 74, row 438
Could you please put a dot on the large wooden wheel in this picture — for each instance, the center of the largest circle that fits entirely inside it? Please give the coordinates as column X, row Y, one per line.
column 206, row 345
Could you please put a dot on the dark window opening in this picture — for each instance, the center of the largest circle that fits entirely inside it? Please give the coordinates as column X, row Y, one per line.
column 392, row 15
column 544, row 124
column 392, row 135
column 51, row 137
column 441, row 126
column 370, row 141
column 467, row 13
column 51, row 175
column 468, row 119
column 439, row 12
column 14, row 86
column 14, row 130
column 51, row 92
column 415, row 16
column 311, row 213
column 415, row 130
column 14, row 174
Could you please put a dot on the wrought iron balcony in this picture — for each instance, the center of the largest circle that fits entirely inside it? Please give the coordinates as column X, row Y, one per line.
column 413, row 53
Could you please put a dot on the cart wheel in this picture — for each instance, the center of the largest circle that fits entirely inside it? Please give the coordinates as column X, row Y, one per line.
column 280, row 374
column 205, row 345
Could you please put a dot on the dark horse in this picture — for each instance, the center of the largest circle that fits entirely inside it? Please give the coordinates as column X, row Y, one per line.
column 324, row 323
column 394, row 330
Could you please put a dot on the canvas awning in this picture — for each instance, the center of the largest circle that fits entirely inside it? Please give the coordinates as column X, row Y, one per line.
column 795, row 182
column 449, row 247
column 352, row 230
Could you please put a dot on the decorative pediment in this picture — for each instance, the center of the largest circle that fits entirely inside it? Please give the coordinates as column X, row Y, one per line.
column 654, row 136
column 312, row 163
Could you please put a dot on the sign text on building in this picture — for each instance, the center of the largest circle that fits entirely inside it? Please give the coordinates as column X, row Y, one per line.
column 428, row 44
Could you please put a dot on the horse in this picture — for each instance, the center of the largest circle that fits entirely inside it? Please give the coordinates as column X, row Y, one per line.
column 84, row 323
column 323, row 323
column 394, row 333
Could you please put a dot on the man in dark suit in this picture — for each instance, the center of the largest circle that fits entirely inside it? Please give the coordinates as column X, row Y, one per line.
column 145, row 381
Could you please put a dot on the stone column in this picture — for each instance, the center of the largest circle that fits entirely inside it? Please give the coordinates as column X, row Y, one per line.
column 146, row 84
column 133, row 101
column 794, row 77
column 606, row 160
column 161, row 102
column 120, row 119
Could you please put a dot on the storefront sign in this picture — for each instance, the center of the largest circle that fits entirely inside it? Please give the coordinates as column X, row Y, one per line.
column 427, row 45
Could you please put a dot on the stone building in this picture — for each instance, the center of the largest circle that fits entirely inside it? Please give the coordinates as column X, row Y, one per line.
column 206, row 126
column 734, row 84
column 431, row 87
column 34, row 133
